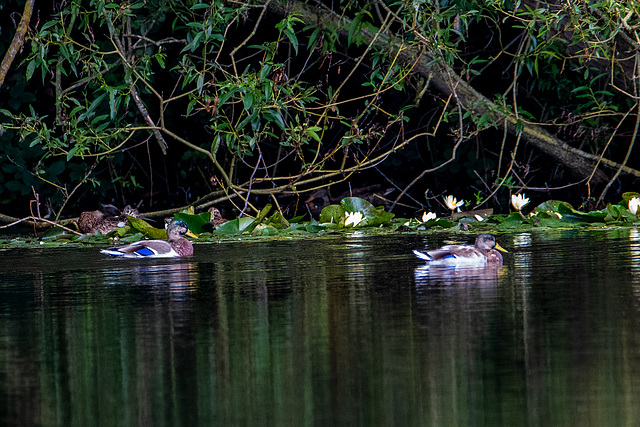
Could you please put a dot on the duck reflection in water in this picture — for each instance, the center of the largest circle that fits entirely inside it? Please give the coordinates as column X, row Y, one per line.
column 178, row 277
column 447, row 276
column 481, row 261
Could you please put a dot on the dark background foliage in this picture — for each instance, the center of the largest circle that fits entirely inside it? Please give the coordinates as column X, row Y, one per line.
column 508, row 54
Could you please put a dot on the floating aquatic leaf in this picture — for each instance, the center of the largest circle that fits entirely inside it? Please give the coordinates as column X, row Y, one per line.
column 629, row 195
column 313, row 226
column 614, row 211
column 265, row 230
column 54, row 233
column 571, row 215
column 196, row 223
column 373, row 215
column 331, row 214
column 235, row 226
column 550, row 206
column 513, row 220
column 133, row 238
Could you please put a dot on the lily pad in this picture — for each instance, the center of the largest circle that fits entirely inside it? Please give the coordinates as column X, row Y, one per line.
column 373, row 215
column 332, row 214
column 132, row 238
column 551, row 206
column 514, row 219
column 236, row 226
column 571, row 215
column 313, row 226
column 54, row 233
column 629, row 195
column 196, row 223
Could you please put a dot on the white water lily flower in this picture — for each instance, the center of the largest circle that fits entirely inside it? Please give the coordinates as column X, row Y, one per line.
column 427, row 216
column 633, row 205
column 519, row 201
column 354, row 218
column 452, row 203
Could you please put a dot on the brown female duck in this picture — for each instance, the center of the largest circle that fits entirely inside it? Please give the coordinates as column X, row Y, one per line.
column 105, row 219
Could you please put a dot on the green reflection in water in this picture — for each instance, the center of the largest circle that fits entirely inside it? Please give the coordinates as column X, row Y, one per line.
column 345, row 332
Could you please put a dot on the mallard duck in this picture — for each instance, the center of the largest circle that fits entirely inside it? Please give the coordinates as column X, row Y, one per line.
column 175, row 246
column 105, row 219
column 482, row 254
column 216, row 217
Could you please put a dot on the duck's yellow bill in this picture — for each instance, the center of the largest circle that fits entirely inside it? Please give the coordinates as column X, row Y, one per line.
column 190, row 234
column 500, row 248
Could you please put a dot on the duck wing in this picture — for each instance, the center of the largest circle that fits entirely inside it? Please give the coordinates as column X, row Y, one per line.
column 453, row 251
column 453, row 255
column 438, row 254
column 143, row 249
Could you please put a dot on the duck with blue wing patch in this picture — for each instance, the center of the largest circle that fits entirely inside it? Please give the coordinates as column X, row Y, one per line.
column 175, row 246
column 484, row 253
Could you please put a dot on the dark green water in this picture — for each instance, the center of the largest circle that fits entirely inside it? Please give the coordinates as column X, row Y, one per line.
column 347, row 331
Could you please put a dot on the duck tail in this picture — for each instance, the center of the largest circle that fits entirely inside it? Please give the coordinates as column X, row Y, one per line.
column 422, row 255
column 113, row 251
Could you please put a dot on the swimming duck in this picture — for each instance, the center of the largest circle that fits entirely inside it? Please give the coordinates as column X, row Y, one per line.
column 105, row 219
column 482, row 254
column 175, row 246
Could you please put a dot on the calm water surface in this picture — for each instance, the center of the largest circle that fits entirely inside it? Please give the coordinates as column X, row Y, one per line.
column 343, row 331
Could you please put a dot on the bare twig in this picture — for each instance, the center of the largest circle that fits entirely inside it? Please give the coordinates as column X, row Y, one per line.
column 37, row 221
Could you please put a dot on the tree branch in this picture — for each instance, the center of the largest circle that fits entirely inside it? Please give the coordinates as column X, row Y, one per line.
column 447, row 82
column 18, row 40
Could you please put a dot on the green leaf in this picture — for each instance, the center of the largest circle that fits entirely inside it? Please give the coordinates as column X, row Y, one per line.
column 549, row 206
column 373, row 215
column 235, row 226
column 313, row 226
column 200, row 83
column 248, row 101
column 197, row 223
column 147, row 229
column 630, row 195
column 297, row 219
column 332, row 214
column 514, row 219
column 133, row 238
column 292, row 38
column 277, row 221
column 72, row 152
column 31, row 69
column 571, row 215
column 275, row 117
